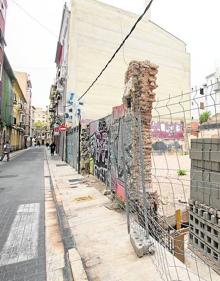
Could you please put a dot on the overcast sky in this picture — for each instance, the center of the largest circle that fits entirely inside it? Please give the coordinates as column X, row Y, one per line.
column 32, row 49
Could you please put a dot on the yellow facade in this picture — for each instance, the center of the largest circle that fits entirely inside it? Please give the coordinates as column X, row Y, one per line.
column 18, row 116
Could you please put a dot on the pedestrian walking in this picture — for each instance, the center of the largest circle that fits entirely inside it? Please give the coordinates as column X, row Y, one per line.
column 6, row 151
column 52, row 148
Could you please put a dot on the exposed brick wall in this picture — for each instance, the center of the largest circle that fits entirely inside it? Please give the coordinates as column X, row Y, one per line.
column 140, row 81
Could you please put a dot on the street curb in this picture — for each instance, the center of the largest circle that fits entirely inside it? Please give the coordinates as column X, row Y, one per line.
column 74, row 266
column 77, row 268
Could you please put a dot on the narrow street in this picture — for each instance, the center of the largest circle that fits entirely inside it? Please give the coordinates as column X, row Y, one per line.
column 22, row 218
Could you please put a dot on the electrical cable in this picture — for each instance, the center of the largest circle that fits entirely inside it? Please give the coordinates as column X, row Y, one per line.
column 117, row 50
column 33, row 18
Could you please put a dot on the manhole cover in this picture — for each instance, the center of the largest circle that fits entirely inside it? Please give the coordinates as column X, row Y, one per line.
column 61, row 165
column 83, row 198
column 8, row 176
column 74, row 180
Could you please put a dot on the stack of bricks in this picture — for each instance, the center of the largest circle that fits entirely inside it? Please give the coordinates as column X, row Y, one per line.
column 140, row 81
column 204, row 214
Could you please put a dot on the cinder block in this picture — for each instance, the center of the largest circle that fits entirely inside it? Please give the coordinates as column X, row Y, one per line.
column 206, row 177
column 205, row 215
column 215, row 156
column 193, row 189
column 207, row 165
column 214, row 198
column 200, row 195
column 206, row 151
column 206, row 199
column 207, row 141
column 196, row 144
column 196, row 175
column 215, row 167
column 215, row 141
column 215, row 178
column 200, row 164
column 213, row 219
column 196, row 154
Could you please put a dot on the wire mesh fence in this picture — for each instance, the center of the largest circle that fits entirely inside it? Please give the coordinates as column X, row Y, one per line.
column 173, row 201
column 186, row 242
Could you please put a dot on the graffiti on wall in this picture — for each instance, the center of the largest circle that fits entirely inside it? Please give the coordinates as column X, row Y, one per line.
column 120, row 154
column 168, row 131
column 99, row 143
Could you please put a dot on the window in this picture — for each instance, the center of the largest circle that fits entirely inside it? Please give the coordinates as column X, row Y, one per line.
column 208, row 250
column 202, row 106
column 202, row 235
column 202, row 245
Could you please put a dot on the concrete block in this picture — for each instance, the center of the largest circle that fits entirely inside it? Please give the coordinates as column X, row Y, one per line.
column 200, row 196
column 215, row 144
column 206, row 165
column 206, row 177
column 196, row 154
column 215, row 156
column 194, row 163
column 206, row 151
column 214, row 200
column 207, row 141
column 141, row 245
column 213, row 219
column 205, row 215
column 215, row 167
column 196, row 175
column 193, row 186
column 206, row 199
column 196, row 144
column 215, row 178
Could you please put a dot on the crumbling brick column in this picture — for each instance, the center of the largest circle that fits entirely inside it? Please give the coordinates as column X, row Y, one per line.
column 140, row 81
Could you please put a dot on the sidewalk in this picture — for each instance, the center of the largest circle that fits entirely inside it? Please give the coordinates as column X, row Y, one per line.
column 100, row 234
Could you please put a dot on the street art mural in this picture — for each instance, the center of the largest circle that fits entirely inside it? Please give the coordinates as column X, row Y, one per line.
column 167, row 130
column 99, row 148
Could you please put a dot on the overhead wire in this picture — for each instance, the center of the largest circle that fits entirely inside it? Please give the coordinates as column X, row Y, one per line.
column 33, row 18
column 117, row 50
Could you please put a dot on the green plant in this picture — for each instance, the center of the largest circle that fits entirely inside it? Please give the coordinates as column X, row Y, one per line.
column 181, row 172
column 204, row 117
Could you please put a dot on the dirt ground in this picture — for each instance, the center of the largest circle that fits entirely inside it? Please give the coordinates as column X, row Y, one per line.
column 173, row 190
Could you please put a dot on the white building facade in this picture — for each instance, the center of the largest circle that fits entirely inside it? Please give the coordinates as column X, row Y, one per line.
column 96, row 31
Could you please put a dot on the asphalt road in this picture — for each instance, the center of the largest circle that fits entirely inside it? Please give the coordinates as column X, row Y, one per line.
column 22, row 219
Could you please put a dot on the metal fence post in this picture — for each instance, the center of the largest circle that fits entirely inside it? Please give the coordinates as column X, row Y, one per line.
column 125, row 175
column 145, row 203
